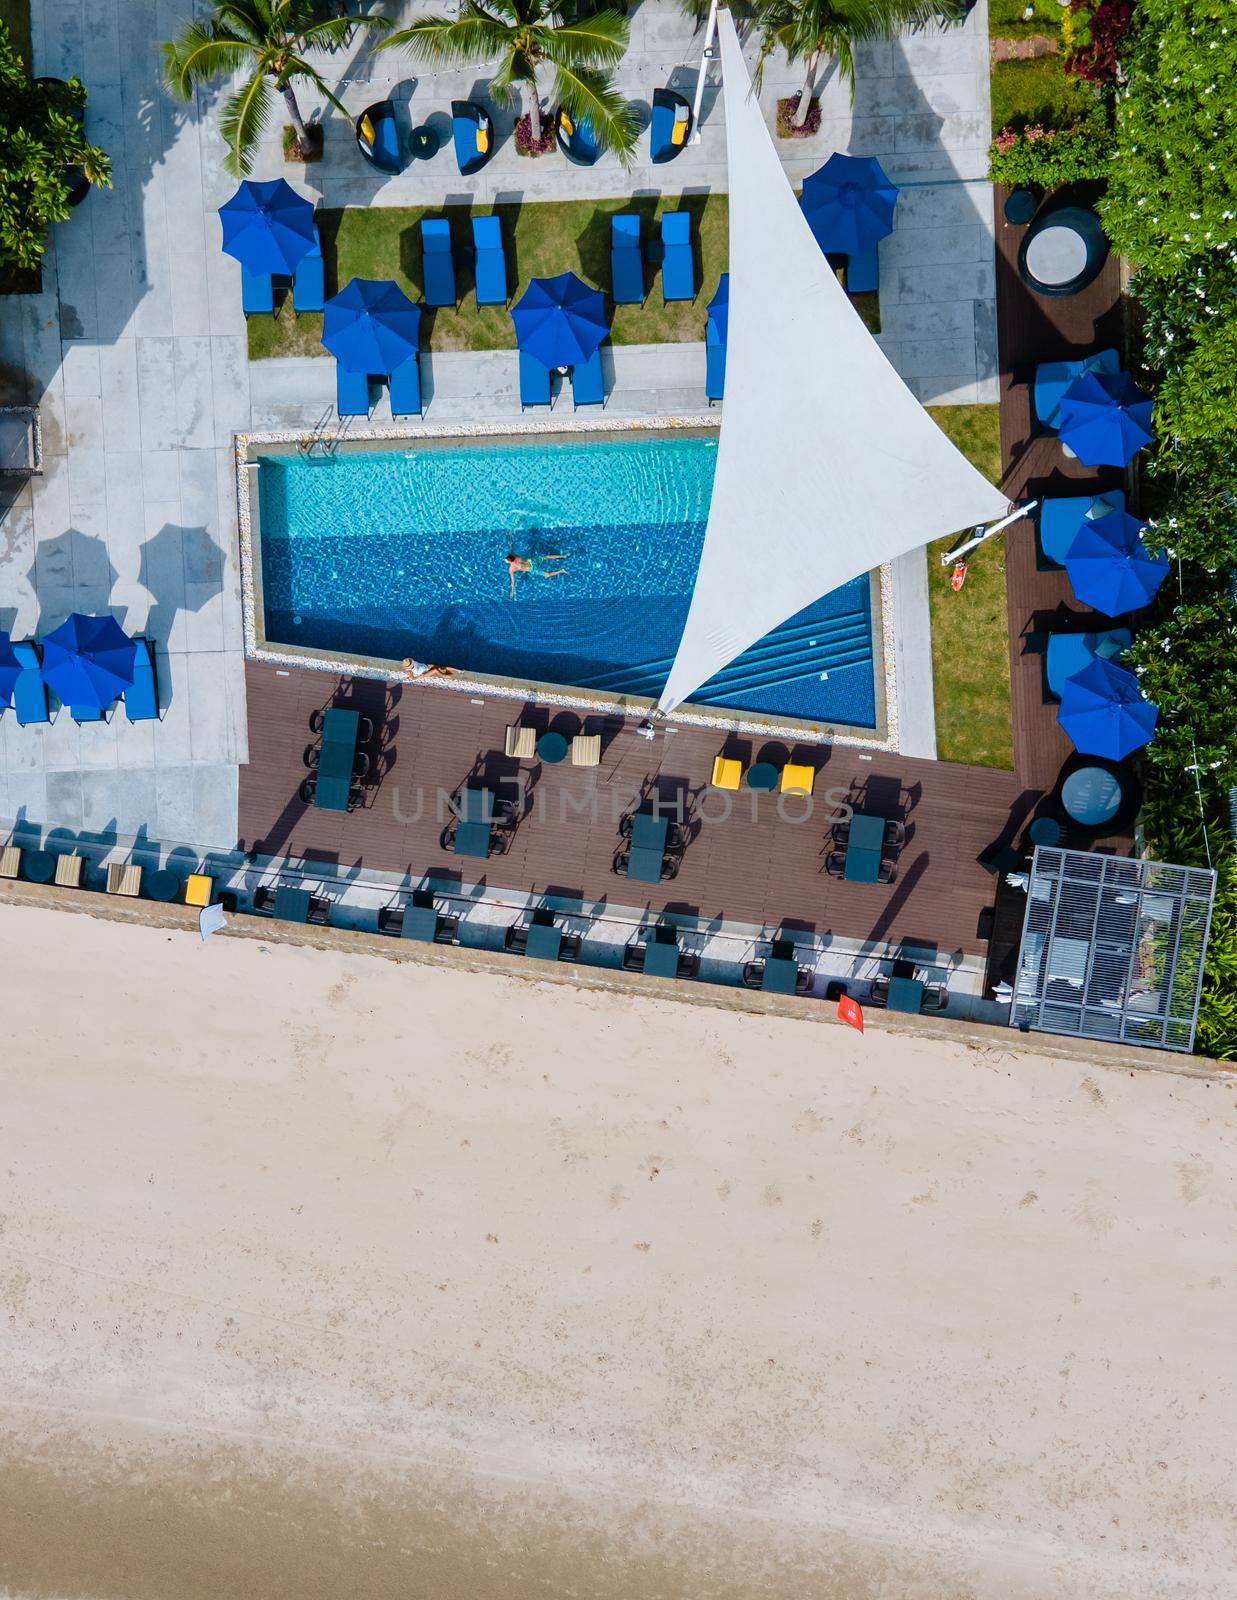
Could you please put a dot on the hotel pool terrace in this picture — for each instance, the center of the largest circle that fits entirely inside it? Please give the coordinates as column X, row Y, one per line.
column 393, row 546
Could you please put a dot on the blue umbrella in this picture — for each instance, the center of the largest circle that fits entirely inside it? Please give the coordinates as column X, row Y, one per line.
column 1110, row 567
column 371, row 326
column 849, row 204
column 1105, row 418
column 719, row 307
column 268, row 227
column 10, row 670
column 560, row 321
column 88, row 661
column 1103, row 711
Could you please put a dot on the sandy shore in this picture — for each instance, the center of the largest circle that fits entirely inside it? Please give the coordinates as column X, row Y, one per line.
column 325, row 1276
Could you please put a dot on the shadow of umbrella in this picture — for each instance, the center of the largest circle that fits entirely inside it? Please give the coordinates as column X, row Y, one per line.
column 182, row 568
column 72, row 572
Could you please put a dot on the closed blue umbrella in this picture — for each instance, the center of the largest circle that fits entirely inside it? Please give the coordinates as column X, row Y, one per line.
column 268, row 227
column 1110, row 567
column 719, row 307
column 1103, row 711
column 849, row 204
column 560, row 321
column 1105, row 418
column 88, row 661
column 10, row 670
column 371, row 326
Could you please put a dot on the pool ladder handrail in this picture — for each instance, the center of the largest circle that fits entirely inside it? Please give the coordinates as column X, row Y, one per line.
column 322, row 441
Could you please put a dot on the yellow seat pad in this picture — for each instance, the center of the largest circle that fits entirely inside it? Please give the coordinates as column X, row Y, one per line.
column 799, row 779
column 727, row 773
column 199, row 887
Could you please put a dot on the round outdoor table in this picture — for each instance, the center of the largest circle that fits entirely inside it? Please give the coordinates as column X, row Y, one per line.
column 422, row 143
column 40, row 865
column 1091, row 795
column 551, row 747
column 162, row 885
column 1020, row 206
column 1062, row 251
column 762, row 776
column 1045, row 830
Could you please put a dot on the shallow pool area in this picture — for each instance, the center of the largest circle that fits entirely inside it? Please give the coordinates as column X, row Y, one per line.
column 392, row 552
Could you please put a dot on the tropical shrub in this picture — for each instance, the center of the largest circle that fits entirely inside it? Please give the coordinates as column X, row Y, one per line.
column 1091, row 35
column 1172, row 194
column 43, row 151
column 1044, row 158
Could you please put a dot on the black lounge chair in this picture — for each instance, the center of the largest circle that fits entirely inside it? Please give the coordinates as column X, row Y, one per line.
column 378, row 140
column 472, row 133
column 671, row 125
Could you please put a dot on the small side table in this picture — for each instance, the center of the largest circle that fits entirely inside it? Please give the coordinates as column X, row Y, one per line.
column 1020, row 206
column 39, row 865
column 422, row 143
column 162, row 885
column 1045, row 830
column 762, row 776
column 551, row 748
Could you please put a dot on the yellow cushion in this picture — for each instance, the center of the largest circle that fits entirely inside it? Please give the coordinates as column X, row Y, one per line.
column 798, row 779
column 727, row 772
column 198, row 889
column 566, row 124
column 678, row 132
column 483, row 140
column 367, row 129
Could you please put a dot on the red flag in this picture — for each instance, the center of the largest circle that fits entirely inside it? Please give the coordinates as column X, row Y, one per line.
column 850, row 1011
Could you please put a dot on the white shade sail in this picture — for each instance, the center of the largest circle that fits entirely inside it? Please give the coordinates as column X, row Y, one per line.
column 827, row 465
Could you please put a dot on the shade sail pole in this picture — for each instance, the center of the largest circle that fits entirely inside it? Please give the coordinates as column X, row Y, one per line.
column 710, row 34
column 827, row 465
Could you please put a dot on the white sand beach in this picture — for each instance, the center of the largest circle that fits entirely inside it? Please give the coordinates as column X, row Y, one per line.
column 324, row 1275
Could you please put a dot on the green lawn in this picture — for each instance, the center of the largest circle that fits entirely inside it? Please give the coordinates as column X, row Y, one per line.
column 970, row 630
column 1005, row 19
column 15, row 14
column 1025, row 92
column 541, row 239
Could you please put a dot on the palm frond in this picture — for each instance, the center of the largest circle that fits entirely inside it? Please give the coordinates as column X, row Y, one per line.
column 338, row 30
column 513, row 68
column 298, row 67
column 451, row 40
column 583, row 93
column 245, row 119
column 197, row 55
column 599, row 41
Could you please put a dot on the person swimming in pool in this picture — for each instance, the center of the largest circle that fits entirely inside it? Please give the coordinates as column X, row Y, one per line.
column 535, row 566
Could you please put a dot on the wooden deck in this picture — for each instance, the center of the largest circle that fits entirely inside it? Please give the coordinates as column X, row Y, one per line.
column 1031, row 329
column 768, row 871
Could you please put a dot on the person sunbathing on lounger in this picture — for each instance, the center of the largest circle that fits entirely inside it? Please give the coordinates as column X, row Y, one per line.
column 418, row 671
column 535, row 566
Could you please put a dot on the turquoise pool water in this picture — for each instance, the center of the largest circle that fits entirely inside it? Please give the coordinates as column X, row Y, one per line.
column 400, row 552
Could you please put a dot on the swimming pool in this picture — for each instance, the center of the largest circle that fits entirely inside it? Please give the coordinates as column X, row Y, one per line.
column 399, row 552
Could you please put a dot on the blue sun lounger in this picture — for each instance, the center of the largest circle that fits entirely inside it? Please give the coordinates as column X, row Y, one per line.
column 534, row 381
column 714, row 363
column 472, row 136
column 437, row 267
column 671, row 126
column 29, row 691
column 404, row 387
column 142, row 696
column 626, row 260
column 577, row 140
column 678, row 271
column 1060, row 518
column 863, row 274
column 1069, row 653
column 351, row 392
column 1053, row 378
column 490, row 272
column 257, row 292
column 588, row 386
column 309, row 281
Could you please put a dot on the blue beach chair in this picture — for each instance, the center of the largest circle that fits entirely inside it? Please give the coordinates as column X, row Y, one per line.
column 404, row 387
column 142, row 696
column 309, row 281
column 534, row 381
column 257, row 292
column 863, row 274
column 1053, row 378
column 437, row 265
column 377, row 137
column 671, row 126
column 490, row 271
column 588, row 387
column 714, row 364
column 577, row 140
column 29, row 692
column 472, row 136
column 351, row 392
column 1069, row 653
column 1060, row 518
column 678, row 270
column 626, row 260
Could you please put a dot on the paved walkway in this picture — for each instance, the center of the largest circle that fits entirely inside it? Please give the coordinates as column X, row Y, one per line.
column 135, row 354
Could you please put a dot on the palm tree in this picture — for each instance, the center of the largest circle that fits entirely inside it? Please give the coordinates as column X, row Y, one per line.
column 267, row 38
column 523, row 35
column 808, row 30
